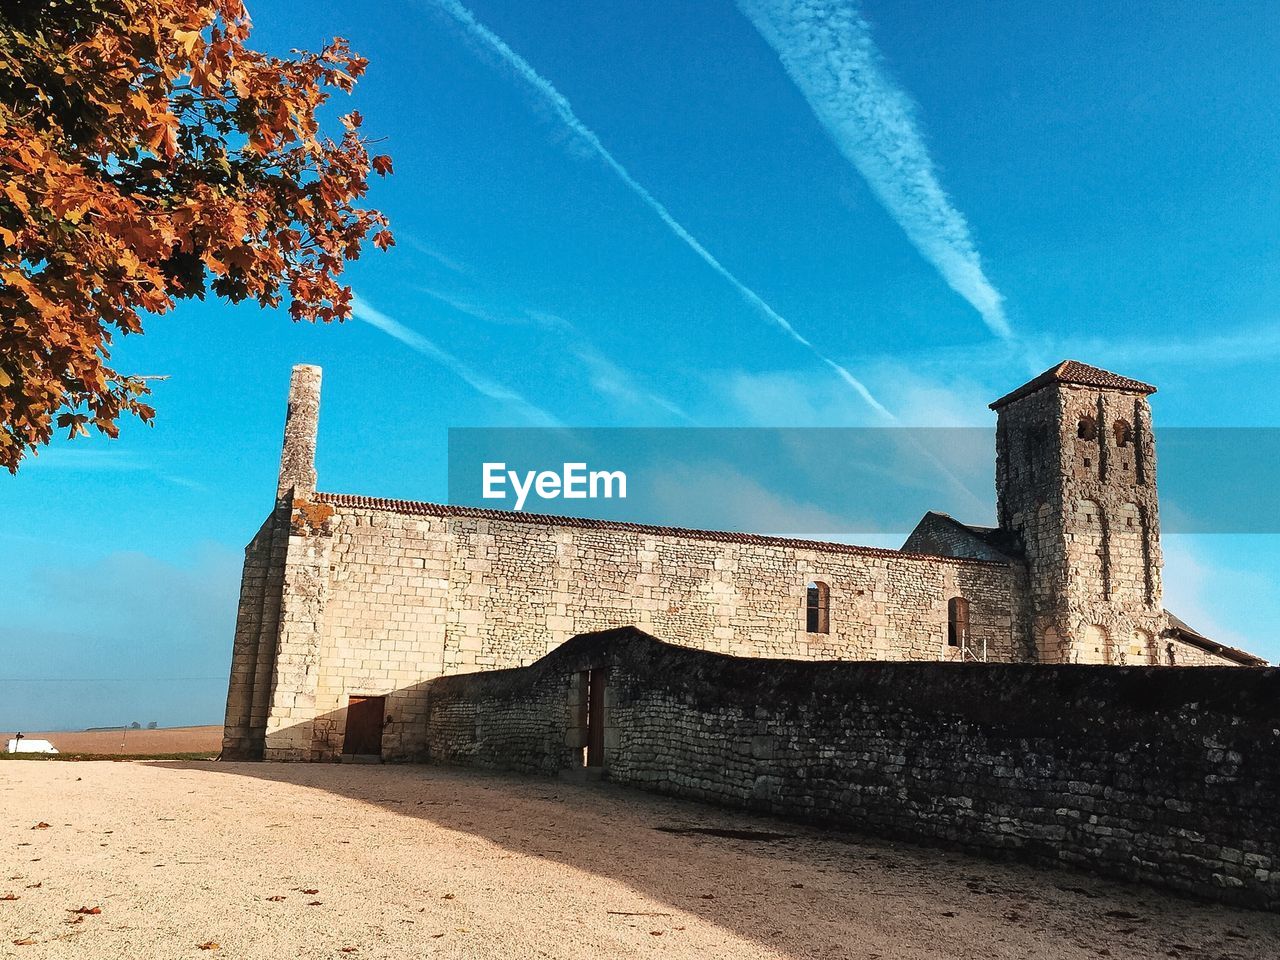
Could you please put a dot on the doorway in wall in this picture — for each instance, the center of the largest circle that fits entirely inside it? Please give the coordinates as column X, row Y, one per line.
column 364, row 726
column 596, row 680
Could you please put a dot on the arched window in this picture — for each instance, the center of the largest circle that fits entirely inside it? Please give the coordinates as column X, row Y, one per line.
column 1095, row 646
column 957, row 621
column 1143, row 649
column 1087, row 428
column 817, row 608
column 1124, row 433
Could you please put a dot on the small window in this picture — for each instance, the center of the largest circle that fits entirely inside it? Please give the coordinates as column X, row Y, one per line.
column 1087, row 429
column 817, row 608
column 1124, row 433
column 957, row 621
column 1032, row 446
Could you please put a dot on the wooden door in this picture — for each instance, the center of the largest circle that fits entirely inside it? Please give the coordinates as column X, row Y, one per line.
column 596, row 681
column 364, row 726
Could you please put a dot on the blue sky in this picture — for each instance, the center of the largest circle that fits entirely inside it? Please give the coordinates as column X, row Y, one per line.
column 1100, row 182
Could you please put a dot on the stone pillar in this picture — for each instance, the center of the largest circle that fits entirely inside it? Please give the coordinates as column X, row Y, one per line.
column 298, row 459
column 270, row 701
column 288, row 702
column 273, row 570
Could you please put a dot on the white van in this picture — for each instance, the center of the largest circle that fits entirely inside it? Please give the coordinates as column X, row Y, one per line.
column 26, row 745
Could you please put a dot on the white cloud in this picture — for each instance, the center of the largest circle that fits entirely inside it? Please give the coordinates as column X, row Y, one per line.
column 611, row 380
column 720, row 497
column 605, row 376
column 793, row 398
column 587, row 137
column 80, row 457
column 1193, row 588
column 85, row 459
column 486, row 386
column 427, row 249
column 1241, row 345
column 826, row 48
column 941, row 438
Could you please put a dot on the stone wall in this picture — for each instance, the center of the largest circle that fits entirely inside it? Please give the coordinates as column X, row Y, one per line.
column 253, row 651
column 1161, row 775
column 413, row 591
column 1175, row 652
column 941, row 535
column 348, row 596
column 1076, row 482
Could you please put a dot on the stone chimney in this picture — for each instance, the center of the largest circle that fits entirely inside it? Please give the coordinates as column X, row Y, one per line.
column 298, row 460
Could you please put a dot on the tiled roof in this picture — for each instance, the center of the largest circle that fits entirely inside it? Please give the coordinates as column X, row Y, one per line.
column 1197, row 639
column 1073, row 371
column 423, row 509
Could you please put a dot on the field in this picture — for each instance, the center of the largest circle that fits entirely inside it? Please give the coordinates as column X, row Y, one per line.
column 146, row 743
column 205, row 859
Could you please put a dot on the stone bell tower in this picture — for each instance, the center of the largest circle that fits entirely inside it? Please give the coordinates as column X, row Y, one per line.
column 1076, row 482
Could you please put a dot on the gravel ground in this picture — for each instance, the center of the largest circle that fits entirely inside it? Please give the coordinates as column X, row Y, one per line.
column 282, row 861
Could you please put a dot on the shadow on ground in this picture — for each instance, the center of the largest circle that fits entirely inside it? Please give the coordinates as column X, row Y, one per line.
column 795, row 889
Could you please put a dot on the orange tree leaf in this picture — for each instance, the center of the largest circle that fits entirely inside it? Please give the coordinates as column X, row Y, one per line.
column 149, row 154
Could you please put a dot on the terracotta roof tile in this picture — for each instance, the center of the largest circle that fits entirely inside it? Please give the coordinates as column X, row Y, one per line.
column 1073, row 371
column 425, row 509
column 1188, row 634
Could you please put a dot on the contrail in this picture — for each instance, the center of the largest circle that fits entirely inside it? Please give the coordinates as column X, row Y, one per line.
column 826, row 48
column 564, row 110
column 482, row 384
column 612, row 380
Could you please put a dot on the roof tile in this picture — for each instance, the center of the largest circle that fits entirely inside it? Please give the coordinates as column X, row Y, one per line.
column 1073, row 371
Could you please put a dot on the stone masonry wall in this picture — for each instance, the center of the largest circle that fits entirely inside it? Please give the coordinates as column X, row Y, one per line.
column 409, row 596
column 1160, row 775
column 1076, row 481
column 253, row 652
column 1175, row 652
column 938, row 534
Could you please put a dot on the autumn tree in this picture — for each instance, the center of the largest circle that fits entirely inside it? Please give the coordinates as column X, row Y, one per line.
column 147, row 155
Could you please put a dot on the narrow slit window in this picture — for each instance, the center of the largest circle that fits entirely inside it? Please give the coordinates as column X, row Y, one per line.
column 957, row 621
column 818, row 607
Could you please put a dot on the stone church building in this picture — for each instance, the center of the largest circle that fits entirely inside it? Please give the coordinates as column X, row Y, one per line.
column 349, row 604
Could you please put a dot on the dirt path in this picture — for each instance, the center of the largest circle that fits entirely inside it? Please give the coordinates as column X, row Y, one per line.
column 283, row 861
